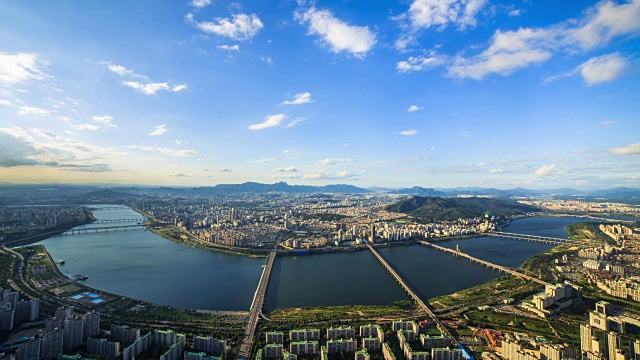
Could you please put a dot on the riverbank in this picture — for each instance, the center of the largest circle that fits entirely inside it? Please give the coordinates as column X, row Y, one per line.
column 28, row 239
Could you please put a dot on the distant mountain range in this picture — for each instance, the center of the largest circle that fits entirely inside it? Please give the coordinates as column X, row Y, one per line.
column 11, row 193
column 253, row 187
column 449, row 209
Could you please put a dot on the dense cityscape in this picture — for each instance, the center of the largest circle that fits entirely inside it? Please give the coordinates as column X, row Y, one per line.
column 586, row 288
column 320, row 180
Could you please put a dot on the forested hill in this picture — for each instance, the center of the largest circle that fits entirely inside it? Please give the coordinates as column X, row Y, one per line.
column 441, row 209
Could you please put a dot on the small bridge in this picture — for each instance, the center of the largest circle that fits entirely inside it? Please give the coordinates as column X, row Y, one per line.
column 107, row 208
column 138, row 220
column 101, row 229
column 537, row 238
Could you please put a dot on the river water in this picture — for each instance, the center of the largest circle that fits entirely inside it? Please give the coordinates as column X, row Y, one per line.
column 142, row 265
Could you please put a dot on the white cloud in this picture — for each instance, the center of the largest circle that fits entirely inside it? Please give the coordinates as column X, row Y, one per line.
column 605, row 21
column 263, row 160
column 409, row 132
column 104, row 119
column 496, row 171
column 515, row 12
column 295, row 122
column 546, row 170
column 7, row 103
column 328, row 175
column 153, row 88
column 120, row 70
column 603, row 68
column 633, row 149
column 20, row 67
column 19, row 148
column 33, row 110
column 89, row 127
column 609, row 122
column 200, row 3
column 331, row 162
column 287, row 176
column 160, row 129
column 269, row 121
column 440, row 13
column 235, row 47
column 508, row 52
column 165, row 151
column 267, row 59
column 240, row 27
column 420, row 63
column 301, row 98
column 414, row 108
column 337, row 34
column 287, row 169
column 225, row 170
column 512, row 50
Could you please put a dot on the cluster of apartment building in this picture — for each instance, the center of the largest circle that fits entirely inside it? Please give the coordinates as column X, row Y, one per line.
column 616, row 231
column 605, row 336
column 304, row 342
column 580, row 206
column 15, row 219
column 68, row 332
column 14, row 311
column 433, row 347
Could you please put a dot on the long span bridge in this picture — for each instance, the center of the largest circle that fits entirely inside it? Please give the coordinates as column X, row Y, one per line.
column 101, row 229
column 538, row 238
column 505, row 269
column 138, row 220
column 413, row 295
column 246, row 344
column 107, row 208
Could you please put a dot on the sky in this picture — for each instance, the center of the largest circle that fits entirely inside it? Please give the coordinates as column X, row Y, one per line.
column 433, row 93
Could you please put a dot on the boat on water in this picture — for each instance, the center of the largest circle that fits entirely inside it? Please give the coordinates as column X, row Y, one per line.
column 80, row 277
column 61, row 262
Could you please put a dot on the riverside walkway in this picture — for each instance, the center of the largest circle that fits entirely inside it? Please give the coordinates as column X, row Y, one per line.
column 505, row 269
column 413, row 295
column 256, row 310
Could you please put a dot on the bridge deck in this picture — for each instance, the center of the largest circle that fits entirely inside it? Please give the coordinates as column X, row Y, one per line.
column 256, row 310
column 415, row 297
column 486, row 263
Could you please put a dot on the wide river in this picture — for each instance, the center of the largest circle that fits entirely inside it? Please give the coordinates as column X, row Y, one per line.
column 142, row 265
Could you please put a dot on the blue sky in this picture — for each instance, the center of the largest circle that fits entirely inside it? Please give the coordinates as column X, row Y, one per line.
column 436, row 93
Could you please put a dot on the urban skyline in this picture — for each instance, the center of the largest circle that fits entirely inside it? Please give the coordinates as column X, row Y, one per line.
column 427, row 92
